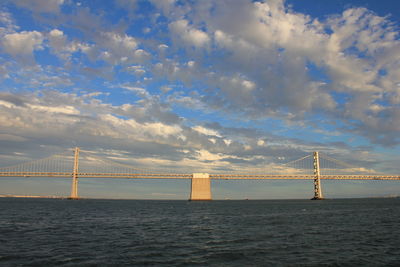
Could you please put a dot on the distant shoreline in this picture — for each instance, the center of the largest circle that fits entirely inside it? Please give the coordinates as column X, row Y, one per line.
column 23, row 196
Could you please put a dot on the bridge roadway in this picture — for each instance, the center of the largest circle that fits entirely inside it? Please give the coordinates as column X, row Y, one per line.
column 190, row 176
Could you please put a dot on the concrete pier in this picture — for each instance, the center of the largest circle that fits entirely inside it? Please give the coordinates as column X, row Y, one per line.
column 317, row 181
column 74, row 186
column 201, row 187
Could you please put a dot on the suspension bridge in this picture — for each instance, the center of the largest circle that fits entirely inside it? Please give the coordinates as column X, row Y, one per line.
column 85, row 164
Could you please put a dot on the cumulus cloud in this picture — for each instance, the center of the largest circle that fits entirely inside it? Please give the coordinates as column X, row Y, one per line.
column 111, row 47
column 115, row 49
column 191, row 36
column 63, row 48
column 21, row 45
column 258, row 64
column 296, row 65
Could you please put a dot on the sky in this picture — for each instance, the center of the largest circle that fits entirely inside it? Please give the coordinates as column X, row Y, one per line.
column 195, row 86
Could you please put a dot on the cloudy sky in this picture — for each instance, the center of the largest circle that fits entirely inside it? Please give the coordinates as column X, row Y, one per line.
column 201, row 86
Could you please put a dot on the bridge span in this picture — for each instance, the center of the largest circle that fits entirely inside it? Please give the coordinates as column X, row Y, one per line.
column 57, row 165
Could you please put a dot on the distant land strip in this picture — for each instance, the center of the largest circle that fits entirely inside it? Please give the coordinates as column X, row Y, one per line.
column 28, row 196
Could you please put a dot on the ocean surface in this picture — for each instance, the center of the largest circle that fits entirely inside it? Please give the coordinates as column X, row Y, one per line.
column 61, row 232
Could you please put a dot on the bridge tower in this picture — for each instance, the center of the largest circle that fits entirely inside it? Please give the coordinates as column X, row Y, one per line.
column 201, row 187
column 74, row 187
column 317, row 181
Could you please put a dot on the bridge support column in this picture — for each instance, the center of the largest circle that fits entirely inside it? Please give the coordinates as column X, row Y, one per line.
column 317, row 182
column 201, row 187
column 74, row 187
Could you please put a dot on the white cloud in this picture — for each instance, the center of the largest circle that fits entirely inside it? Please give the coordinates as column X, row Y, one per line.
column 275, row 62
column 124, row 42
column 142, row 131
column 59, row 44
column 115, row 49
column 129, row 5
column 4, row 71
column 138, row 90
column 6, row 104
column 22, row 44
column 251, row 60
column 227, row 142
column 193, row 103
column 165, row 89
column 162, row 46
column 41, row 6
column 54, row 117
column 206, row 131
column 204, row 155
column 166, row 5
column 7, row 23
column 191, row 36
column 137, row 70
column 260, row 142
column 69, row 110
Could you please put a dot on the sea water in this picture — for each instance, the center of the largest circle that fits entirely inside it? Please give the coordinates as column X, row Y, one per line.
column 87, row 232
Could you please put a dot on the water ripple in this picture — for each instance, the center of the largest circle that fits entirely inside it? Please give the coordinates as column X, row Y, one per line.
column 43, row 232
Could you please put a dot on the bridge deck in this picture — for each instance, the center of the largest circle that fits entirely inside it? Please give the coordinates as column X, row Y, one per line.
column 189, row 176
